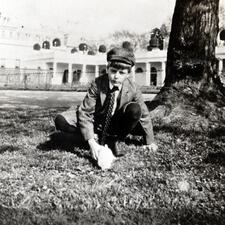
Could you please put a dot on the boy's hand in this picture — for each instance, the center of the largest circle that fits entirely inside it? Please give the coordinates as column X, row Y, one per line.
column 94, row 146
column 152, row 147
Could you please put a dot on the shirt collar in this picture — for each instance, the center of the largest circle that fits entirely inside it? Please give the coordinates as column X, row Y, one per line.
column 111, row 86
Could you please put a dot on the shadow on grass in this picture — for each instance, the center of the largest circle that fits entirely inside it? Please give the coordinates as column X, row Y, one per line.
column 185, row 216
column 14, row 216
column 176, row 130
column 8, row 148
column 218, row 132
column 216, row 158
column 134, row 140
column 65, row 142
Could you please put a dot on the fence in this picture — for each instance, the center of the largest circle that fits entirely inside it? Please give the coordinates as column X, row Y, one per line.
column 42, row 80
column 25, row 78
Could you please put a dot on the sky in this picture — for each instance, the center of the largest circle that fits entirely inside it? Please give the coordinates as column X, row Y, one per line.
column 89, row 18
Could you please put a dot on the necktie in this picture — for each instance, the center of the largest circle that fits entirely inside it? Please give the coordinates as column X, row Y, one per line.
column 109, row 106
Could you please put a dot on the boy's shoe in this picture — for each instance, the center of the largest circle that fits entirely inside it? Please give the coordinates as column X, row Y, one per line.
column 47, row 145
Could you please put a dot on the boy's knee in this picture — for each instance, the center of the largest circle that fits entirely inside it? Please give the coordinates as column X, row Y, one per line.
column 59, row 122
column 133, row 111
column 62, row 124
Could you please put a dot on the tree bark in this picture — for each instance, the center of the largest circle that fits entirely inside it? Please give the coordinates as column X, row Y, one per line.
column 192, row 81
column 191, row 51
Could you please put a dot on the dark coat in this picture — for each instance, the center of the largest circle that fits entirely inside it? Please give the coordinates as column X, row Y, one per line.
column 90, row 112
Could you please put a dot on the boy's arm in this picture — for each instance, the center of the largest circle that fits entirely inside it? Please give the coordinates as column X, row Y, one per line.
column 94, row 146
column 86, row 119
column 85, row 113
column 145, row 120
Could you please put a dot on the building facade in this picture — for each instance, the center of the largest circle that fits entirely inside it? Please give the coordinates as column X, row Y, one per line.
column 45, row 57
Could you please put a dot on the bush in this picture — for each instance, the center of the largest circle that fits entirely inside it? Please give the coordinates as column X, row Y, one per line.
column 102, row 48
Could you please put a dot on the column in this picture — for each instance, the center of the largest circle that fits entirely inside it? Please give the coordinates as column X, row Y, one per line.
column 83, row 78
column 96, row 71
column 54, row 69
column 148, row 74
column 161, row 77
column 220, row 66
column 22, row 76
column 55, row 79
column 70, row 73
column 22, row 71
column 133, row 73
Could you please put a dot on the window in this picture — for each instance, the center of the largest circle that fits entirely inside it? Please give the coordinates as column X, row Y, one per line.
column 76, row 76
column 65, row 77
column 139, row 70
column 46, row 45
column 153, row 76
column 103, row 72
column 222, row 35
column 56, row 42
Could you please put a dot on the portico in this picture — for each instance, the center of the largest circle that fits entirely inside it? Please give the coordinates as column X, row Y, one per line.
column 70, row 69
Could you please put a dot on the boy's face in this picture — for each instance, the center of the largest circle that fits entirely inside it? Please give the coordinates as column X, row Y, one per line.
column 117, row 76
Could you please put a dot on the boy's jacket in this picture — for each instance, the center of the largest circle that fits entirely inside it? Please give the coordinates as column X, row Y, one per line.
column 91, row 111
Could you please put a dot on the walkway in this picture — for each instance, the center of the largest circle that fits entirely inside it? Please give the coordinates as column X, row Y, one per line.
column 36, row 99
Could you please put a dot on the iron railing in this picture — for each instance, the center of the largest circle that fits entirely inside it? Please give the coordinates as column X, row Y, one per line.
column 25, row 78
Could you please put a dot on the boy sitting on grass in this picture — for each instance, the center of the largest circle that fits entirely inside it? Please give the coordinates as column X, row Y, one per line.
column 112, row 108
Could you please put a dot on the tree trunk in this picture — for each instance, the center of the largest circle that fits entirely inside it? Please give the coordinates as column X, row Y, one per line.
column 192, row 84
column 191, row 51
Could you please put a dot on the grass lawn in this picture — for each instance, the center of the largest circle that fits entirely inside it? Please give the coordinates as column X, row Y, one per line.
column 182, row 183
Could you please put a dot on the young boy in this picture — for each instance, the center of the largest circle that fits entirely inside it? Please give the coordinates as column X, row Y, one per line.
column 112, row 108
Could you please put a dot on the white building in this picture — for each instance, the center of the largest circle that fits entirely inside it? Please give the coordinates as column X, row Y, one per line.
column 30, row 54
